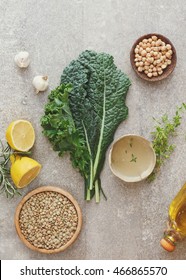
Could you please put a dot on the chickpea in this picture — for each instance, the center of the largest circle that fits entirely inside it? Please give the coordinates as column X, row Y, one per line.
column 153, row 44
column 137, row 64
column 146, row 67
column 150, row 59
column 145, row 41
column 148, row 45
column 147, row 63
column 158, row 61
column 141, row 63
column 154, row 38
column 154, row 69
column 140, row 44
column 170, row 51
column 149, row 75
column 135, row 59
column 155, row 74
column 140, row 69
column 148, row 49
column 163, row 48
column 150, row 40
column 151, row 66
column 163, row 66
column 168, row 55
column 143, row 53
column 146, row 72
column 160, row 72
column 168, row 46
column 158, row 43
column 150, row 70
column 169, row 62
column 136, row 50
column 143, row 59
column 155, row 53
column 148, row 55
column 144, row 46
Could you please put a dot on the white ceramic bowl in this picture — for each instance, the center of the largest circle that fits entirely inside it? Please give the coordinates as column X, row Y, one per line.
column 132, row 158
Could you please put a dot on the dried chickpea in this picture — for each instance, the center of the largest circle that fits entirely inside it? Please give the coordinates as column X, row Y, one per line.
column 143, row 53
column 168, row 46
column 155, row 74
column 160, row 72
column 154, row 38
column 168, row 55
column 148, row 49
column 136, row 50
column 163, row 66
column 149, row 75
column 144, row 46
column 140, row 69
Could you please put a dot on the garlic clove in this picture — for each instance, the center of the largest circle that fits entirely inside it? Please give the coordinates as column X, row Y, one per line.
column 40, row 83
column 22, row 59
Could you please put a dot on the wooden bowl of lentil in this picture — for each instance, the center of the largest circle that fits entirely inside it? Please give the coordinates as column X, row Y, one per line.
column 48, row 220
column 167, row 71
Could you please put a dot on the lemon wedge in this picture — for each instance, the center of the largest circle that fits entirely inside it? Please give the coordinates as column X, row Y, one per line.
column 23, row 170
column 20, row 135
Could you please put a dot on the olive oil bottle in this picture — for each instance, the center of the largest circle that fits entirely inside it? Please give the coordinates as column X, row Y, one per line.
column 176, row 230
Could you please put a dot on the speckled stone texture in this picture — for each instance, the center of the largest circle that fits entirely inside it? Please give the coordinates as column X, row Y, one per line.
column 131, row 222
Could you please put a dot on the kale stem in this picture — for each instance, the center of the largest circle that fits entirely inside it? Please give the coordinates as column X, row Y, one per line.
column 97, row 192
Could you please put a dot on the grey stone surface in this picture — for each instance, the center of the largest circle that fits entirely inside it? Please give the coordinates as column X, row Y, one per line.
column 130, row 224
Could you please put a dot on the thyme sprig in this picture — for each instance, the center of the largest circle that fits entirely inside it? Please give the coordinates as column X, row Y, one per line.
column 164, row 130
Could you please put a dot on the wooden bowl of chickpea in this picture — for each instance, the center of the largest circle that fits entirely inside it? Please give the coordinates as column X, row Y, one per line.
column 153, row 57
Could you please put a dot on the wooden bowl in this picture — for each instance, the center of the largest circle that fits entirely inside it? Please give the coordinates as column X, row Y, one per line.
column 132, row 158
column 46, row 189
column 167, row 71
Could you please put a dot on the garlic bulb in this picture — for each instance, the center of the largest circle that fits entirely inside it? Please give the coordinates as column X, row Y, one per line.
column 22, row 59
column 40, row 83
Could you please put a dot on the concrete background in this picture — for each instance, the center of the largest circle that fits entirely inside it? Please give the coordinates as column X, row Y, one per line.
column 130, row 224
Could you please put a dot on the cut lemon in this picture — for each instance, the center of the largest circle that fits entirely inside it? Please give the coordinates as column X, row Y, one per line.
column 23, row 170
column 20, row 135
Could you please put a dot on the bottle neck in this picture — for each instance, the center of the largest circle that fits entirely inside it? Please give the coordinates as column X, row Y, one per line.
column 171, row 234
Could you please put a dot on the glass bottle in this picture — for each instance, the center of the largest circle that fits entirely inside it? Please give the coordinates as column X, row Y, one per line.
column 176, row 229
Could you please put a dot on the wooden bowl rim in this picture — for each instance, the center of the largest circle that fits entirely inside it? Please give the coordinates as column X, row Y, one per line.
column 47, row 189
column 167, row 71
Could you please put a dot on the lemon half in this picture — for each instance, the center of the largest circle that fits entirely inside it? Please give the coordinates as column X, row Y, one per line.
column 20, row 135
column 23, row 170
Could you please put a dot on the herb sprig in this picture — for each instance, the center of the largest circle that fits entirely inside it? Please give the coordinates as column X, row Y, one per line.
column 5, row 179
column 165, row 129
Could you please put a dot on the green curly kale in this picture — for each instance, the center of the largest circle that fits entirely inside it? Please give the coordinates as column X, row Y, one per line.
column 83, row 113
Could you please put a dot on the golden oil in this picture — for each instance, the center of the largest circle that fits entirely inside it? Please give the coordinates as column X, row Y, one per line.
column 176, row 230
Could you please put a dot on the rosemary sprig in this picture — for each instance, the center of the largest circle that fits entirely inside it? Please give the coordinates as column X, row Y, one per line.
column 165, row 129
column 6, row 184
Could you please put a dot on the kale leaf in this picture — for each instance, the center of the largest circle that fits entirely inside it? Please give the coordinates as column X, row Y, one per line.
column 84, row 112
